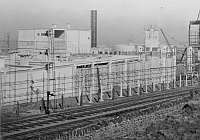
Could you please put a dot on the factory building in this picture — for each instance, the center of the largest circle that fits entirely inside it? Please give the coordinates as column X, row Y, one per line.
column 64, row 41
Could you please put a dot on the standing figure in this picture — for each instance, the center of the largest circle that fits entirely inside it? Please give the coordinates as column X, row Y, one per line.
column 32, row 86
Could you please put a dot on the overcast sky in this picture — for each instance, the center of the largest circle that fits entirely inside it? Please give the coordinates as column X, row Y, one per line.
column 119, row 21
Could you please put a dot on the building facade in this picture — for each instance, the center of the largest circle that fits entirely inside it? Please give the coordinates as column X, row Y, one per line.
column 61, row 41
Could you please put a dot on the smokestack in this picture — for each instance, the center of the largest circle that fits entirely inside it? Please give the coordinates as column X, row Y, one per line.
column 93, row 28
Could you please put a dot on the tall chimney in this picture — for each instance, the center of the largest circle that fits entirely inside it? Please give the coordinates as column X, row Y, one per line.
column 93, row 28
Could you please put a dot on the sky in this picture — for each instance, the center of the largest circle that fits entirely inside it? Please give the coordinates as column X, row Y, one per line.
column 119, row 21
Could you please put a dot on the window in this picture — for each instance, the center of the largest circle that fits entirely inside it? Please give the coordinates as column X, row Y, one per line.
column 155, row 49
column 147, row 49
column 58, row 33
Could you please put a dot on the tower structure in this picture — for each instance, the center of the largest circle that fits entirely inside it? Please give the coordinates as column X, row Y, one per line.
column 193, row 51
column 93, row 28
column 151, row 38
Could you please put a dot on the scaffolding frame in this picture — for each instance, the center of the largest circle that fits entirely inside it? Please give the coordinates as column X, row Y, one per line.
column 126, row 74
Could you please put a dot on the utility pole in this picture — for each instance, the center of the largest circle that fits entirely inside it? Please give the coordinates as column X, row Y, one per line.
column 48, row 81
column 48, row 52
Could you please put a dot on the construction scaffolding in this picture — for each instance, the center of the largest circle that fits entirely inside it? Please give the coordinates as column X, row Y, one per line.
column 93, row 79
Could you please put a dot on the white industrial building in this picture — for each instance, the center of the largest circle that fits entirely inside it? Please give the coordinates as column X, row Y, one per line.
column 64, row 41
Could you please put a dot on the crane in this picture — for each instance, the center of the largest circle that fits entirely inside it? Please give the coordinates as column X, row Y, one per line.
column 184, row 52
column 168, row 44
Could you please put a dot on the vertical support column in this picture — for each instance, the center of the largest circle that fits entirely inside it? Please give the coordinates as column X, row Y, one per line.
column 101, row 96
column 110, row 78
column 153, row 86
column 160, row 74
column 62, row 101
column 18, row 108
column 27, row 87
column 126, row 79
column 1, row 89
column 174, row 82
column 138, row 83
column 43, row 80
column 83, row 86
column 186, row 82
column 74, row 82
column 192, row 80
column 126, row 71
column 121, row 89
column 189, row 58
column 167, row 84
column 180, row 81
column 174, row 66
column 111, row 92
column 130, row 90
column 146, row 87
column 163, row 85
column 93, row 83
column 79, row 96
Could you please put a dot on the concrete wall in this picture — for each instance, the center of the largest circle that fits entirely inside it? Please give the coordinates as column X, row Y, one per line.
column 78, row 41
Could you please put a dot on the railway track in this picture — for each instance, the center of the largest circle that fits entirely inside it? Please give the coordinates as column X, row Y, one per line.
column 95, row 105
column 72, row 118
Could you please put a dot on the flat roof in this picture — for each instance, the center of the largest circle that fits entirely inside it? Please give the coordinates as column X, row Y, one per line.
column 103, row 59
column 57, row 28
column 84, row 60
